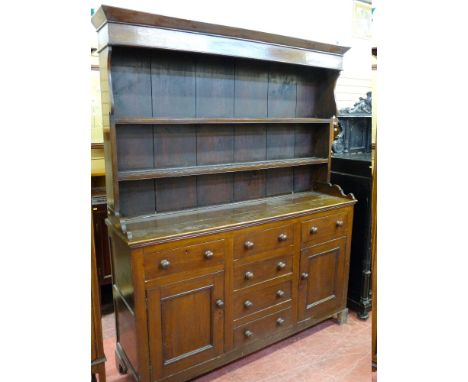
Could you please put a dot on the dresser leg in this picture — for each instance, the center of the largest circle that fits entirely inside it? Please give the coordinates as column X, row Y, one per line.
column 363, row 314
column 342, row 317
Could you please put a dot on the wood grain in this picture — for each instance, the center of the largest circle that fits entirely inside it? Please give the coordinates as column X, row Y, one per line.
column 251, row 90
column 173, row 85
column 131, row 83
column 215, row 87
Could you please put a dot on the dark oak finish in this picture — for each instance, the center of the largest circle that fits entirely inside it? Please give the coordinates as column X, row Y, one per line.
column 217, row 146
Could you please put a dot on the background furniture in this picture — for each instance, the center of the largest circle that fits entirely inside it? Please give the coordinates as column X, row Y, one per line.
column 99, row 211
column 225, row 233
column 99, row 208
column 374, row 220
column 98, row 358
column 351, row 169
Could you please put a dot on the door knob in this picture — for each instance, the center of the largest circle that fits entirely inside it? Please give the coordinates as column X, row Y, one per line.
column 249, row 275
column 283, row 237
column 165, row 264
column 248, row 304
column 313, row 230
column 208, row 254
column 248, row 244
column 339, row 223
column 220, row 303
column 248, row 333
column 304, row 275
column 280, row 321
column 281, row 265
column 280, row 293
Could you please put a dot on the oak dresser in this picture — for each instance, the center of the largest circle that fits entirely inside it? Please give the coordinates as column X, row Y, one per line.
column 225, row 233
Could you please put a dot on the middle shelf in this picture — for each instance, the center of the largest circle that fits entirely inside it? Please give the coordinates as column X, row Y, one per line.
column 217, row 168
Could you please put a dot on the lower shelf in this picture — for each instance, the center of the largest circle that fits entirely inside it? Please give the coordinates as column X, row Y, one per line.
column 217, row 169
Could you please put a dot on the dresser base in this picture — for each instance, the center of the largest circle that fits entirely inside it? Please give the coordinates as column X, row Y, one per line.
column 340, row 318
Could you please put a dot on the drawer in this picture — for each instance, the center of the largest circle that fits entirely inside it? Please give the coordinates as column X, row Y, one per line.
column 180, row 259
column 262, row 327
column 325, row 228
column 249, row 301
column 258, row 271
column 255, row 241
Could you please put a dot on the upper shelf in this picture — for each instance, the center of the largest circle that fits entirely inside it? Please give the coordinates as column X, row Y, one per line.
column 214, row 121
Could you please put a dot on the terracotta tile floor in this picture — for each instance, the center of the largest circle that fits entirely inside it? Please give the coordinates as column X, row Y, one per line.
column 324, row 353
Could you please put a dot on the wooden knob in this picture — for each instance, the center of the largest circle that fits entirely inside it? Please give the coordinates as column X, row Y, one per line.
column 304, row 275
column 283, row 237
column 313, row 230
column 220, row 303
column 339, row 223
column 248, row 244
column 280, row 293
column 281, row 265
column 208, row 254
column 280, row 321
column 248, row 333
column 165, row 264
column 248, row 304
column 249, row 275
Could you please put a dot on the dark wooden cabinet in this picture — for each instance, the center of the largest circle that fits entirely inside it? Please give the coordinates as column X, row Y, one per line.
column 352, row 171
column 218, row 154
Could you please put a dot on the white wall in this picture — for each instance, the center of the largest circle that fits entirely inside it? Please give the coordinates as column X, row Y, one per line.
column 329, row 21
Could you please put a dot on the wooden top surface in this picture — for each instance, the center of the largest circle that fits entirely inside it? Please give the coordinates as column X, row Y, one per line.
column 107, row 14
column 170, row 226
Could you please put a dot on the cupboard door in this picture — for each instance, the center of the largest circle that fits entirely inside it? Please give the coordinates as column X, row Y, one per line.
column 322, row 289
column 186, row 323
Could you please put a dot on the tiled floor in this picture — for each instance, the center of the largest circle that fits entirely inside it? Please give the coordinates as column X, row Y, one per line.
column 324, row 353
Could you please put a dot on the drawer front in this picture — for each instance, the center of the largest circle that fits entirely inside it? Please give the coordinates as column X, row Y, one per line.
column 164, row 263
column 323, row 229
column 262, row 327
column 249, row 301
column 256, row 272
column 255, row 241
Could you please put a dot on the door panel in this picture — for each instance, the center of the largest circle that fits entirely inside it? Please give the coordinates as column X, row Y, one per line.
column 322, row 273
column 186, row 326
